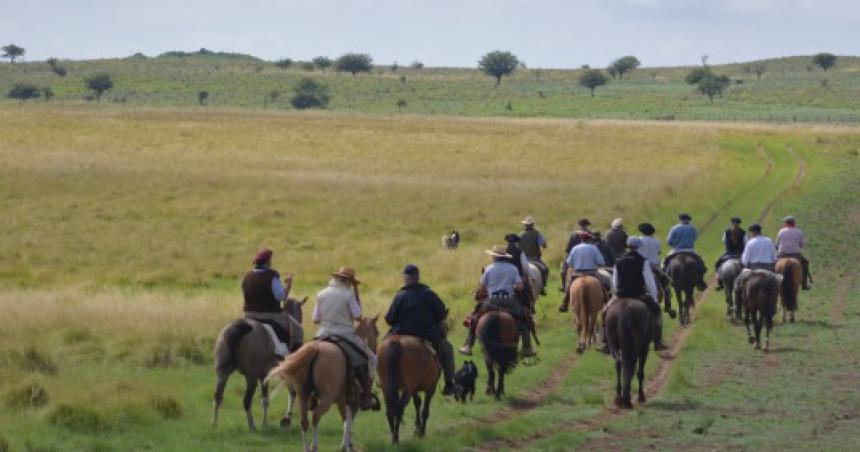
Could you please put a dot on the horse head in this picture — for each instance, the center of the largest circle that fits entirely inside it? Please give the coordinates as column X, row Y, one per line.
column 294, row 308
column 367, row 330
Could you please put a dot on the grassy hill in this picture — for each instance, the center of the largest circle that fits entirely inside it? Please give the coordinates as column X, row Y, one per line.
column 791, row 89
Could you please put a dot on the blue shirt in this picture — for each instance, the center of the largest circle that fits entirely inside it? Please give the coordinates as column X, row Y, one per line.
column 585, row 256
column 682, row 237
column 501, row 276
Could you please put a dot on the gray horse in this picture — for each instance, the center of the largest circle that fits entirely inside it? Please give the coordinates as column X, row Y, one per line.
column 245, row 345
column 728, row 273
column 682, row 268
column 629, row 332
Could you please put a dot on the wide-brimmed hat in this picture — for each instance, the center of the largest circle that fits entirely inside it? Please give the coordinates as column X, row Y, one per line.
column 789, row 219
column 633, row 242
column 617, row 223
column 529, row 221
column 512, row 238
column 499, row 251
column 756, row 228
column 736, row 220
column 684, row 216
column 347, row 273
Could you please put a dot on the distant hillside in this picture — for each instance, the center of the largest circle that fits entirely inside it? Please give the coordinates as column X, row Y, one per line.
column 790, row 89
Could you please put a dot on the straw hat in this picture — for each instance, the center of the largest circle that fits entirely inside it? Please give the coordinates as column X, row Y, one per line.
column 499, row 251
column 347, row 273
column 617, row 223
column 529, row 221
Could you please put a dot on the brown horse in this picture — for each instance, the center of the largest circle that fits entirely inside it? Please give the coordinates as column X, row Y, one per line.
column 497, row 331
column 759, row 292
column 792, row 273
column 407, row 367
column 318, row 371
column 682, row 270
column 629, row 331
column 246, row 346
column 587, row 297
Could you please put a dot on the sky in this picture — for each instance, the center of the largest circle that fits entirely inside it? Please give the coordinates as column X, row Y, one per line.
column 542, row 33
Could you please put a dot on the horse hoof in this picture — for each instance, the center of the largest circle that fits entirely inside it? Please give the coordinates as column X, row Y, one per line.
column 642, row 398
column 286, row 422
column 751, row 340
column 580, row 349
column 757, row 346
column 490, row 391
column 619, row 402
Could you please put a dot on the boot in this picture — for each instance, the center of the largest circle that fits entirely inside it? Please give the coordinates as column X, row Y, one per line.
column 528, row 351
column 659, row 346
column 805, row 282
column 446, row 357
column 466, row 349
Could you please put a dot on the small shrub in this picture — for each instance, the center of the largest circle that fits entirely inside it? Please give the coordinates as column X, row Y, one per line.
column 158, row 355
column 401, row 104
column 76, row 418
column 167, row 406
column 59, row 70
column 33, row 360
column 23, row 91
column 417, row 65
column 310, row 93
column 284, row 63
column 28, row 395
column 202, row 97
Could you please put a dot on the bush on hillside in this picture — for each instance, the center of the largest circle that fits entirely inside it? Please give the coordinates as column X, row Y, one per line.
column 24, row 91
column 354, row 63
column 322, row 62
column 98, row 84
column 592, row 79
column 284, row 63
column 309, row 93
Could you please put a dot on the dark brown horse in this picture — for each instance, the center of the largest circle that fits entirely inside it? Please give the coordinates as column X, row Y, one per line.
column 497, row 331
column 682, row 269
column 792, row 273
column 246, row 346
column 407, row 367
column 629, row 332
column 759, row 292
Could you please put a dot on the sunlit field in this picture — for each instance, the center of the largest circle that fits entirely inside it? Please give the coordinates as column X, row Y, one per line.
column 124, row 233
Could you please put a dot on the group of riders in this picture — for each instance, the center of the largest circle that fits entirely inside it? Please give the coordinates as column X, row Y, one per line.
column 627, row 266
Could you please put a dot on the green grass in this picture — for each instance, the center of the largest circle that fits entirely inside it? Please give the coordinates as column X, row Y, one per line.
column 790, row 91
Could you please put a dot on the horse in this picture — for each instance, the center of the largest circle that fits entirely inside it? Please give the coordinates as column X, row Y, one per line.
column 586, row 296
column 497, row 332
column 682, row 270
column 792, row 273
column 406, row 367
column 451, row 241
column 245, row 345
column 317, row 371
column 759, row 293
column 536, row 280
column 629, row 332
column 728, row 273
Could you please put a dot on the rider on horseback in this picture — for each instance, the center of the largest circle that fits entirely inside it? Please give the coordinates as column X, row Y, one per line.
column 263, row 293
column 649, row 247
column 418, row 311
column 584, row 259
column 519, row 260
column 575, row 239
column 633, row 278
column 734, row 239
column 532, row 242
column 789, row 242
column 759, row 252
column 682, row 239
column 604, row 248
column 337, row 307
column 498, row 289
column 616, row 237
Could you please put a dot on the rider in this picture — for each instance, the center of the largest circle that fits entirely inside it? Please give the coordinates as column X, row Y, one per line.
column 789, row 242
column 575, row 239
column 519, row 260
column 337, row 307
column 682, row 239
column 498, row 288
column 604, row 248
column 734, row 239
column 263, row 293
column 649, row 247
column 633, row 278
column 532, row 242
column 418, row 311
column 759, row 253
column 584, row 259
column 616, row 237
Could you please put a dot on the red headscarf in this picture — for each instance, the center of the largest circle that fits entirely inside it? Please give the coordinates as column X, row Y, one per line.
column 263, row 256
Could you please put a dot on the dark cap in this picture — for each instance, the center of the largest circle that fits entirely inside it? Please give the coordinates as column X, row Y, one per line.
column 736, row 220
column 584, row 222
column 755, row 228
column 684, row 216
column 411, row 270
column 647, row 228
column 512, row 238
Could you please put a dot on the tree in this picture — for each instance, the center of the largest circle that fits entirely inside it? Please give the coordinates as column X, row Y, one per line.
column 98, row 84
column 354, row 63
column 712, row 84
column 23, row 92
column 59, row 70
column 625, row 65
column 322, row 62
column 284, row 63
column 611, row 70
column 395, row 67
column 498, row 64
column 12, row 52
column 48, row 93
column 696, row 75
column 309, row 93
column 202, row 97
column 592, row 79
column 824, row 60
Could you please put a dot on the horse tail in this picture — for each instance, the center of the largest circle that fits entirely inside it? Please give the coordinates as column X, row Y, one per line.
column 225, row 358
column 789, row 294
column 392, row 356
column 295, row 366
column 497, row 351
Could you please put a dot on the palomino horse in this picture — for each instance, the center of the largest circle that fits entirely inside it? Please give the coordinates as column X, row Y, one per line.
column 497, row 331
column 317, row 371
column 407, row 367
column 629, row 331
column 682, row 270
column 245, row 345
column 759, row 293
column 586, row 296
column 728, row 273
column 792, row 272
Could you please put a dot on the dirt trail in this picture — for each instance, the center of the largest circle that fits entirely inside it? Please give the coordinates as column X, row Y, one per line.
column 658, row 382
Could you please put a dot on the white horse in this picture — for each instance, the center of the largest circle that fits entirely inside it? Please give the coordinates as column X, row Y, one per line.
column 536, row 281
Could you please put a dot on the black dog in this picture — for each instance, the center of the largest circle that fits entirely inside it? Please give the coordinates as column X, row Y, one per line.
column 464, row 381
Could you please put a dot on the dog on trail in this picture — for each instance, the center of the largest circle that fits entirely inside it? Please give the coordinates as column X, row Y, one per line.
column 464, row 381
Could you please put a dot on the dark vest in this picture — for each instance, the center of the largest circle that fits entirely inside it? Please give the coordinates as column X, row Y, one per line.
column 515, row 253
column 628, row 270
column 530, row 244
column 734, row 248
column 257, row 289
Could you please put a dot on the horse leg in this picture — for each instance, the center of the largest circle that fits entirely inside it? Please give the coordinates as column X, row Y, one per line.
column 501, row 389
column 250, row 389
column 757, row 325
column 491, row 379
column 219, row 396
column 628, row 366
column 322, row 406
column 425, row 412
column 768, row 321
column 303, row 415
column 416, row 400
column 640, row 375
column 346, row 416
column 288, row 415
column 747, row 324
column 681, row 304
column 402, row 402
column 264, row 399
column 619, row 400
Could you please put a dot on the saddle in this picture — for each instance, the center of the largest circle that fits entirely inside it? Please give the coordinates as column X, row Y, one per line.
column 748, row 272
column 356, row 361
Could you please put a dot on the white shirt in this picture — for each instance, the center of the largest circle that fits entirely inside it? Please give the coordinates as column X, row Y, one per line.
column 650, row 284
column 759, row 250
column 585, row 256
column 650, row 249
column 335, row 309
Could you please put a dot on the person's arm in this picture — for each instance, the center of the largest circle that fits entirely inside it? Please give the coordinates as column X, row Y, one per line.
column 598, row 257
column 615, row 280
column 650, row 284
column 439, row 310
column 278, row 289
column 695, row 234
column 725, row 238
column 802, row 241
column 778, row 237
column 391, row 316
column 672, row 238
column 570, row 258
column 317, row 315
column 354, row 307
column 745, row 257
column 541, row 240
